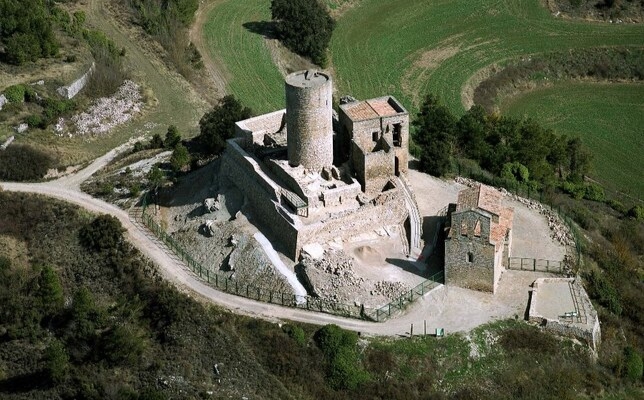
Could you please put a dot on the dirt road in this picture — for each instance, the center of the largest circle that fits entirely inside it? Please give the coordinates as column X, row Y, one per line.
column 453, row 309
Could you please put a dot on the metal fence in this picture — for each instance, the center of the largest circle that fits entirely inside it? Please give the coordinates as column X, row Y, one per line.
column 384, row 312
column 228, row 285
column 532, row 264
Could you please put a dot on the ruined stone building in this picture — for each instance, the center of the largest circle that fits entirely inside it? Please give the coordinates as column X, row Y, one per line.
column 310, row 176
column 479, row 239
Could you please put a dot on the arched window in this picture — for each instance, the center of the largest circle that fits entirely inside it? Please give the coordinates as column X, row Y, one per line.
column 470, row 257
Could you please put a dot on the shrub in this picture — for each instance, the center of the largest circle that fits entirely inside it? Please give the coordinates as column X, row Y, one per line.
column 617, row 206
column 218, row 125
column 23, row 163
column 156, row 142
column 296, row 333
column 34, row 121
column 103, row 233
column 180, row 158
column 15, row 93
column 576, row 190
column 339, row 348
column 138, row 146
column 636, row 212
column 634, row 367
column 605, row 293
column 56, row 362
column 594, row 192
column 172, row 137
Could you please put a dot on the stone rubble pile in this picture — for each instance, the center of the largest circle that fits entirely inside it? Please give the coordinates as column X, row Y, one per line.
column 390, row 290
column 109, row 112
column 332, row 275
column 559, row 231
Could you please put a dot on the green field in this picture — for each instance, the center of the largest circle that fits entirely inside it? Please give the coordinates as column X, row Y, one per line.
column 609, row 118
column 406, row 48
column 243, row 54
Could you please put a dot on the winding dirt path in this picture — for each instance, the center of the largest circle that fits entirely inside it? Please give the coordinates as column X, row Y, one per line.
column 215, row 70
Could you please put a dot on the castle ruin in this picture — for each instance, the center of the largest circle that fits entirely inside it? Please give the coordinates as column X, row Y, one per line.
column 311, row 176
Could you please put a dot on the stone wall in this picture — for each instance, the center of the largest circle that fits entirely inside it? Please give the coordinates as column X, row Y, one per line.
column 470, row 260
column 70, row 91
column 3, row 101
column 261, row 196
column 333, row 197
column 589, row 332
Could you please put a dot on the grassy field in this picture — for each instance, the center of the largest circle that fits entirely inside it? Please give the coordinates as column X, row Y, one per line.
column 608, row 117
column 406, row 48
column 243, row 54
column 411, row 47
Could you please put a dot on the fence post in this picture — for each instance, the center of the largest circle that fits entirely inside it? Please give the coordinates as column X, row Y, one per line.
column 534, row 264
column 208, row 275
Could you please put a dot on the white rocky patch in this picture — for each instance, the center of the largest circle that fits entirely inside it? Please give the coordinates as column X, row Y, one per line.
column 109, row 112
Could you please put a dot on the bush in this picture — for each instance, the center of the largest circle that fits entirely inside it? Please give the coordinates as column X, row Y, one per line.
column 218, row 125
column 339, row 348
column 156, row 142
column 56, row 362
column 34, row 121
column 23, row 163
column 296, row 333
column 605, row 293
column 617, row 206
column 103, row 233
column 594, row 192
column 15, row 93
column 576, row 190
column 636, row 212
column 172, row 137
column 634, row 367
column 180, row 158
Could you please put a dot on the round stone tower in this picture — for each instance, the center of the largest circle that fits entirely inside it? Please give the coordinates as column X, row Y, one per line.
column 309, row 119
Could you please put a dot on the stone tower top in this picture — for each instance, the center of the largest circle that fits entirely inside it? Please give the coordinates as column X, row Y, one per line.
column 307, row 79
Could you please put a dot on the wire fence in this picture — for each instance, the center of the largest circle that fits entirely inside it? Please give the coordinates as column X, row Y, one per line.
column 532, row 264
column 253, row 292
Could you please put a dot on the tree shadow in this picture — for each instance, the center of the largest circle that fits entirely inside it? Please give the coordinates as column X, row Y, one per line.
column 24, row 383
column 268, row 29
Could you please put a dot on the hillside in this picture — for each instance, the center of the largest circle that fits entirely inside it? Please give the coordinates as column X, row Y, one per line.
column 86, row 317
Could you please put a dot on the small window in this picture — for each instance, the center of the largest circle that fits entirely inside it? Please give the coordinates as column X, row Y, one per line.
column 477, row 229
column 470, row 257
column 463, row 228
column 374, row 136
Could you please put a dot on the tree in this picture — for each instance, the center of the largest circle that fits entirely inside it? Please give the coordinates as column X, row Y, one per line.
column 156, row 142
column 434, row 135
column 172, row 137
column 56, row 362
column 103, row 233
column 218, row 125
column 155, row 177
column 50, row 291
column 304, row 26
column 26, row 36
column 180, row 157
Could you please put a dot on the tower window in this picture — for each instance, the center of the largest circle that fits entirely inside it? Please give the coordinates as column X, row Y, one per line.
column 470, row 257
column 397, row 135
column 374, row 136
